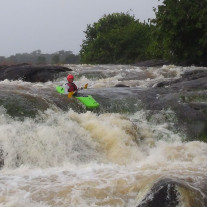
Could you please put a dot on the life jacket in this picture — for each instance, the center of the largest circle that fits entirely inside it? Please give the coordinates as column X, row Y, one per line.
column 72, row 87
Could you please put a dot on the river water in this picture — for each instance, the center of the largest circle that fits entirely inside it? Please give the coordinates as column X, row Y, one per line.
column 56, row 153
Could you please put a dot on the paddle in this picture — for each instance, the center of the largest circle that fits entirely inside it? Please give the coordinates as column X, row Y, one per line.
column 70, row 94
column 86, row 86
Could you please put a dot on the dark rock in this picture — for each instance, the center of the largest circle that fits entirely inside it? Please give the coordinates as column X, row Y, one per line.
column 195, row 74
column 169, row 193
column 190, row 80
column 189, row 107
column 30, row 73
column 162, row 194
column 120, row 85
column 187, row 97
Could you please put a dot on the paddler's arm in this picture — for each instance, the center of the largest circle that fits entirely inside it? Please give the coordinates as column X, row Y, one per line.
column 66, row 87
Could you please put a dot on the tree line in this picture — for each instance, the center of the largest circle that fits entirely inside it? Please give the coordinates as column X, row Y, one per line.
column 38, row 58
column 178, row 33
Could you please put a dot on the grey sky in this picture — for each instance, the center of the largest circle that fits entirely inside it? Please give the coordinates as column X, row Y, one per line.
column 53, row 25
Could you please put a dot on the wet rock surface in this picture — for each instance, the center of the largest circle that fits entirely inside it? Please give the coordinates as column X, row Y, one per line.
column 185, row 96
column 170, row 193
column 162, row 194
column 31, row 73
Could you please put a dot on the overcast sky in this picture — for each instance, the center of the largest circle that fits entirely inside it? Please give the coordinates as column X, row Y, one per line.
column 54, row 25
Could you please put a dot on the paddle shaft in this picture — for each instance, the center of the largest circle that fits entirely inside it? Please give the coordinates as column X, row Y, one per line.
column 70, row 94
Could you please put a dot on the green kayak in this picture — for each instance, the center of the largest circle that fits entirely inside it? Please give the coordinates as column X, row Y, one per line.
column 87, row 100
column 60, row 89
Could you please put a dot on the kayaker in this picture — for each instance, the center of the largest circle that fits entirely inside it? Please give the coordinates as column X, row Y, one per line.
column 70, row 86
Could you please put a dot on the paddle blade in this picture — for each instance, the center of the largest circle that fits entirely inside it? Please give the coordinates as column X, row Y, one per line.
column 86, row 86
column 70, row 94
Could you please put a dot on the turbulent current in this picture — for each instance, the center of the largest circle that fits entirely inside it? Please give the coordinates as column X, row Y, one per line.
column 55, row 153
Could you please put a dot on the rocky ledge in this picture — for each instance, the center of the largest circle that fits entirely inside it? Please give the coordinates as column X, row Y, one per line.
column 31, row 73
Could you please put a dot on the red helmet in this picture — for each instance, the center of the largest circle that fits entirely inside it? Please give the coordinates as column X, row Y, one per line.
column 70, row 76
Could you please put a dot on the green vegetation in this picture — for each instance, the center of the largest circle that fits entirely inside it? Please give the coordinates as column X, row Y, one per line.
column 181, row 31
column 115, row 38
column 178, row 34
column 36, row 57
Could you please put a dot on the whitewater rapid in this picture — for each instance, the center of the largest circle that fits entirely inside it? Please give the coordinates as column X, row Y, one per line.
column 72, row 158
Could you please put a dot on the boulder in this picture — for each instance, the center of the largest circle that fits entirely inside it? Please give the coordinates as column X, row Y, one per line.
column 162, row 194
column 120, row 85
column 172, row 193
column 187, row 97
column 31, row 73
